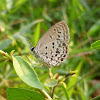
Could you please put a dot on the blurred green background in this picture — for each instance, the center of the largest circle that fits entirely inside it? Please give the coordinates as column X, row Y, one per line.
column 33, row 18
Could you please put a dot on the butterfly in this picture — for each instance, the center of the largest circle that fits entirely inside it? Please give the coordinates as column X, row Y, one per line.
column 52, row 47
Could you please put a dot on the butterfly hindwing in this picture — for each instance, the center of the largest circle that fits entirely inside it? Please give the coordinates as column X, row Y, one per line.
column 52, row 47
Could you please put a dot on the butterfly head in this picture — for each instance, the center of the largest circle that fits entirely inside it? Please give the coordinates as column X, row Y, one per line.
column 33, row 52
column 32, row 49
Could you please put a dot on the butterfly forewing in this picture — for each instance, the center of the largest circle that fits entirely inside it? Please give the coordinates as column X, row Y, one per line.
column 52, row 47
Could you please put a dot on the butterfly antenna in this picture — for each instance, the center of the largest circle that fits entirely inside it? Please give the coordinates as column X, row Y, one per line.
column 28, row 40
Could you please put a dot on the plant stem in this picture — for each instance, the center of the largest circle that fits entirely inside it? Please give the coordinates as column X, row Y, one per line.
column 61, row 80
column 64, row 77
column 8, row 57
column 50, row 73
column 53, row 92
column 45, row 95
column 87, row 75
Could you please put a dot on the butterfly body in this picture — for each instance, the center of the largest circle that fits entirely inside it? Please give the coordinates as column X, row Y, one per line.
column 52, row 47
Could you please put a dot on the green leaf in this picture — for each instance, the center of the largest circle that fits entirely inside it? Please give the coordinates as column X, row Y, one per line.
column 73, row 80
column 82, row 93
column 65, row 91
column 26, row 72
column 36, row 34
column 50, row 82
column 95, row 28
column 96, row 45
column 23, row 94
column 76, row 51
column 96, row 98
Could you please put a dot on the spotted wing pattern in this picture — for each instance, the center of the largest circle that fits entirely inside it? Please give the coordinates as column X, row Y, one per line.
column 52, row 47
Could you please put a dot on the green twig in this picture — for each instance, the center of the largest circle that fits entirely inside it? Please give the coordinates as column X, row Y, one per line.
column 87, row 75
column 45, row 95
column 6, row 56
column 59, row 82
column 50, row 73
column 64, row 78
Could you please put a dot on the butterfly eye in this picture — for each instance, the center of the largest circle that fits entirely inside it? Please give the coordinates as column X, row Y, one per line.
column 32, row 48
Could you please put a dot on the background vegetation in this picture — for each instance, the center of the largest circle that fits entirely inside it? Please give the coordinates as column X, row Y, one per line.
column 33, row 18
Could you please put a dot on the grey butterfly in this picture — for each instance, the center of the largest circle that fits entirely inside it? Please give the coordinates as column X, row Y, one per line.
column 52, row 47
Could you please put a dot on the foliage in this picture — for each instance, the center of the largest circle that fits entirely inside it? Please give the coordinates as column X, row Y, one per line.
column 26, row 73
column 96, row 45
column 23, row 94
column 77, row 78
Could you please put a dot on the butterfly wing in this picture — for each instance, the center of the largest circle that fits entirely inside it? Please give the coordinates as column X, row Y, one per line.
column 52, row 47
